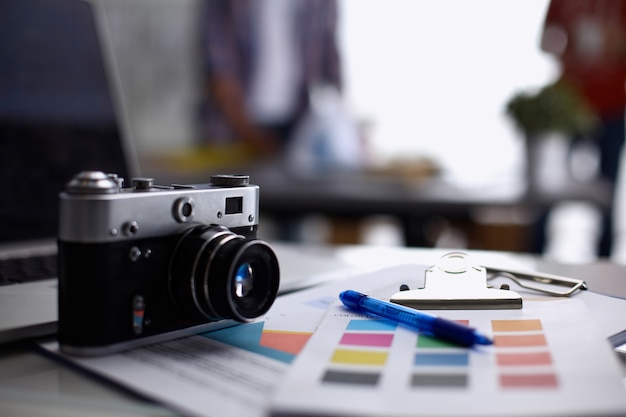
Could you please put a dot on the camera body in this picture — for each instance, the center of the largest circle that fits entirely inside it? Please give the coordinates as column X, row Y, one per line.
column 149, row 263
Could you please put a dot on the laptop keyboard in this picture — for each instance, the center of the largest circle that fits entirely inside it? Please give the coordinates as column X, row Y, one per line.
column 29, row 269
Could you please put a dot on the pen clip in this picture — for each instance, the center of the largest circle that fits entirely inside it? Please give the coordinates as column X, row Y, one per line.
column 518, row 277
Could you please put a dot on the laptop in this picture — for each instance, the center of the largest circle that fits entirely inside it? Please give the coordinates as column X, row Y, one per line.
column 61, row 112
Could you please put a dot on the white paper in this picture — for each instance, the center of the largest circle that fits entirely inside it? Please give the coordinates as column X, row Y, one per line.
column 194, row 375
column 548, row 359
column 236, row 372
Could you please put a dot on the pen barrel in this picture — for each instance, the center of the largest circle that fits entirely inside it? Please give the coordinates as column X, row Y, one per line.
column 441, row 328
column 453, row 332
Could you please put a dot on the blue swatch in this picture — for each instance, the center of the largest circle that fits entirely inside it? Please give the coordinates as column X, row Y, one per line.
column 372, row 325
column 248, row 337
column 442, row 359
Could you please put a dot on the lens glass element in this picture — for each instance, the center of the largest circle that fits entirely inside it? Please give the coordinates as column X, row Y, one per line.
column 244, row 280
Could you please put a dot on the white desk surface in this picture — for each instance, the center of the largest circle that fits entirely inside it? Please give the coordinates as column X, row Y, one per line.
column 33, row 385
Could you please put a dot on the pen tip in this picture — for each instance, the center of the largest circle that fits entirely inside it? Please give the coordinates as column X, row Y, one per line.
column 479, row 339
column 351, row 299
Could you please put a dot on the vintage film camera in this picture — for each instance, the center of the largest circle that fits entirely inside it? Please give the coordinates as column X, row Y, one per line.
column 150, row 263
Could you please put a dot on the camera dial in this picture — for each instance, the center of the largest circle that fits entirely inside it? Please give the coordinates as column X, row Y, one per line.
column 94, row 182
column 142, row 184
column 230, row 180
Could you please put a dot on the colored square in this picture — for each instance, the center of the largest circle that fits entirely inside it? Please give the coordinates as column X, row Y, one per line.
column 356, row 378
column 372, row 325
column 529, row 340
column 523, row 359
column 516, row 325
column 441, row 359
column 367, row 339
column 439, row 380
column 322, row 303
column 528, row 381
column 359, row 357
column 424, row 342
column 290, row 342
column 248, row 336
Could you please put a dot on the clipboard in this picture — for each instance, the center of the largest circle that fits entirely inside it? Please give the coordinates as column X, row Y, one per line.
column 456, row 283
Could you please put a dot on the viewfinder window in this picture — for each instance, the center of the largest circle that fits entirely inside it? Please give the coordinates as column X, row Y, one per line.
column 234, row 205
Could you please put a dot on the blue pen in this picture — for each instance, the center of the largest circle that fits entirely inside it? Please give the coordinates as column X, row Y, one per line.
column 441, row 328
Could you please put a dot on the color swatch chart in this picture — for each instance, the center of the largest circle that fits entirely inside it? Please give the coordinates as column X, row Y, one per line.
column 366, row 344
column 522, row 357
column 358, row 365
column 437, row 363
column 522, row 354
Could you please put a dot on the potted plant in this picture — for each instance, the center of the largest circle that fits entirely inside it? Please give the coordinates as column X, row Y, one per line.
column 556, row 109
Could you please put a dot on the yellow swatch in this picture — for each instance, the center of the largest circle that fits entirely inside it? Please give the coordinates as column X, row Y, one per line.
column 359, row 357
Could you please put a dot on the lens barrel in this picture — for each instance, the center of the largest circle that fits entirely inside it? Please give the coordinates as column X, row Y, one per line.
column 217, row 274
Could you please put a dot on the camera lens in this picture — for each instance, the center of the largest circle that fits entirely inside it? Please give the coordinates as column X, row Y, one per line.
column 216, row 274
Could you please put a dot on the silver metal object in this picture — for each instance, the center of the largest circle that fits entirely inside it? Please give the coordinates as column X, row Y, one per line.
column 455, row 283
column 518, row 277
column 93, row 206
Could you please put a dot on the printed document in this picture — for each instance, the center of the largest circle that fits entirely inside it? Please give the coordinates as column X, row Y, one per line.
column 251, row 369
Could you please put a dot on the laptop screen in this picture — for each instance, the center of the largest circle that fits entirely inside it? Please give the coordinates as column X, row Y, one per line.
column 57, row 114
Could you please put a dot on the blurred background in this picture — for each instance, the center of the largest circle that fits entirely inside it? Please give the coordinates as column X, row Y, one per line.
column 427, row 85
column 410, row 69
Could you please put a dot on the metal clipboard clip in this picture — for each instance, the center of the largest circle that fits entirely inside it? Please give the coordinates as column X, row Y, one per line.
column 457, row 284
